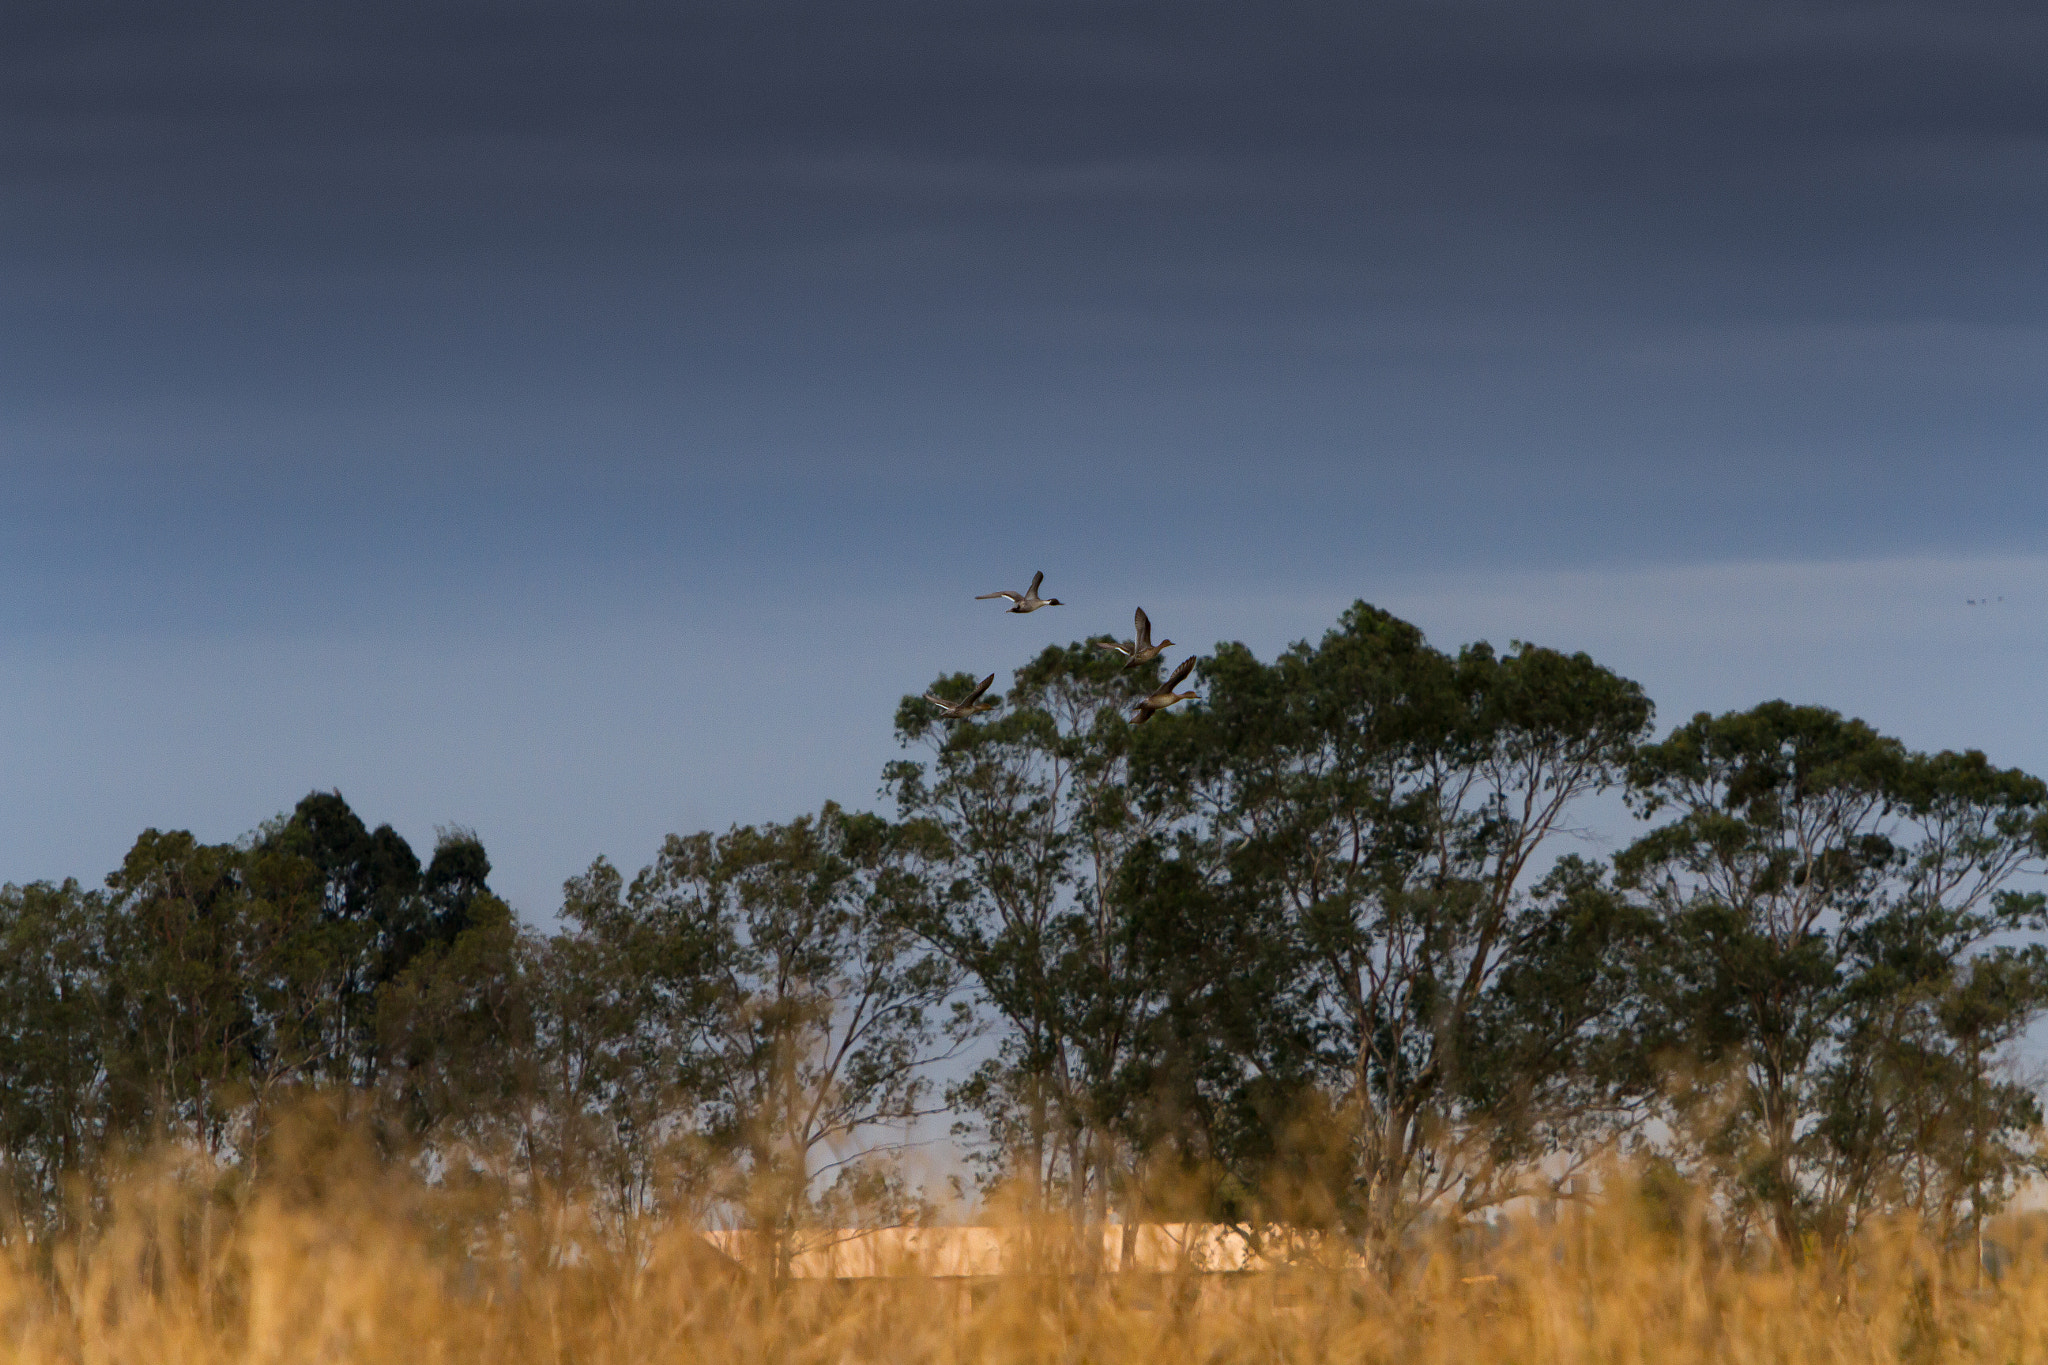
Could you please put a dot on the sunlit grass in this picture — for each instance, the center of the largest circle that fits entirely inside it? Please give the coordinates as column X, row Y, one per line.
column 326, row 1257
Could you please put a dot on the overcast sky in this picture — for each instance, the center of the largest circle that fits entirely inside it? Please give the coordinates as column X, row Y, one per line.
column 582, row 421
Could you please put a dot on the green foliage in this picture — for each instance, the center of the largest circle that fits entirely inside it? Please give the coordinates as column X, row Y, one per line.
column 753, row 1003
column 1028, row 818
column 456, row 1031
column 53, row 997
column 210, row 982
column 1378, row 807
column 1306, row 949
column 1828, row 976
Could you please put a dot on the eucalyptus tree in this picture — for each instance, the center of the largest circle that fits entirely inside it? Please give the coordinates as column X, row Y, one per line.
column 1222, row 1070
column 381, row 908
column 780, row 996
column 1915, row 1114
column 1382, row 808
column 218, row 986
column 1030, row 818
column 1836, row 971
column 619, row 996
column 457, row 1038
column 234, row 975
column 53, row 1001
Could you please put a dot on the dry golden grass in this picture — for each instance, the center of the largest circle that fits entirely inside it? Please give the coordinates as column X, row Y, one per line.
column 328, row 1259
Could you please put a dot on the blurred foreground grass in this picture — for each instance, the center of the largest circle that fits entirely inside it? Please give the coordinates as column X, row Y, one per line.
column 325, row 1256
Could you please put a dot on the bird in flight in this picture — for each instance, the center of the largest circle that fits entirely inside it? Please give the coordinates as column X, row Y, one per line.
column 1165, row 696
column 1139, row 649
column 1028, row 600
column 968, row 705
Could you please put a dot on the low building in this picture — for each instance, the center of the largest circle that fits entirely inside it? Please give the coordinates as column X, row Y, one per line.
column 984, row 1252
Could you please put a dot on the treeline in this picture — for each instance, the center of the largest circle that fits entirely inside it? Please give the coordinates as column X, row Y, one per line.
column 1317, row 951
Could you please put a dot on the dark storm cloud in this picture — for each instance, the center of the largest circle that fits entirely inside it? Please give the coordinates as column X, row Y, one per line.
column 576, row 131
column 584, row 420
column 1470, row 255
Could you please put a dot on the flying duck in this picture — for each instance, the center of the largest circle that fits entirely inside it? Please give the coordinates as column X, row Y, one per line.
column 1028, row 600
column 966, row 706
column 1139, row 649
column 1165, row 696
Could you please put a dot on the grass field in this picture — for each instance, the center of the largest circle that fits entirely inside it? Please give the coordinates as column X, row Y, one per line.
column 331, row 1261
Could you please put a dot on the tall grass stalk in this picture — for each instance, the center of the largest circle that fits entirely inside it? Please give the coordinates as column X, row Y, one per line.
column 327, row 1255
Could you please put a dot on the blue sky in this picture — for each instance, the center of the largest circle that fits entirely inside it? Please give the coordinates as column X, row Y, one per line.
column 583, row 422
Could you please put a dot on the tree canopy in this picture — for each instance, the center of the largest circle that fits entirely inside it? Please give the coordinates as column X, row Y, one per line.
column 1313, row 951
